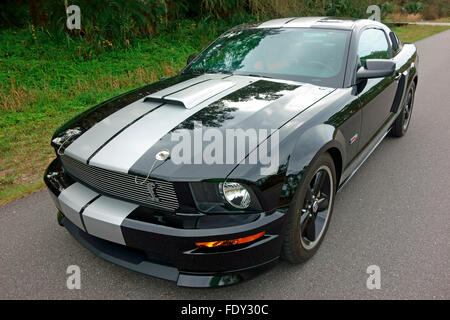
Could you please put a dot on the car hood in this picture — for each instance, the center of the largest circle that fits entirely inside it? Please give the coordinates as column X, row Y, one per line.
column 126, row 133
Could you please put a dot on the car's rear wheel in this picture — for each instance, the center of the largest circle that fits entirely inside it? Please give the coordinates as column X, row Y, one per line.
column 310, row 211
column 401, row 124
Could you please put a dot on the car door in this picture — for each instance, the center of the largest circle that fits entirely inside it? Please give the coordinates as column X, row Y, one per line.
column 377, row 94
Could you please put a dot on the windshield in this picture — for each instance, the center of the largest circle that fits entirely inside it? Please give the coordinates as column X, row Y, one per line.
column 301, row 54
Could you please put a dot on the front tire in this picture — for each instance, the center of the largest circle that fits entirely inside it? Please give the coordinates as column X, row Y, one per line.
column 403, row 120
column 310, row 211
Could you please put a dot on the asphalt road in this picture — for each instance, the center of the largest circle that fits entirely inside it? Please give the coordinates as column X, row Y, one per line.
column 394, row 213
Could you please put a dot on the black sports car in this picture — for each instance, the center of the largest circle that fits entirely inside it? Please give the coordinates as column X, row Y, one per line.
column 208, row 177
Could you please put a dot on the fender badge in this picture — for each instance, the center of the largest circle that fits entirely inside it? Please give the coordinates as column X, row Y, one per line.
column 353, row 139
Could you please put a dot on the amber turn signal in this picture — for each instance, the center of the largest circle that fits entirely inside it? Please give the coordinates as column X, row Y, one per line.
column 214, row 244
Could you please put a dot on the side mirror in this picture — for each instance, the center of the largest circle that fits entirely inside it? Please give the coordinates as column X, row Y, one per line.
column 376, row 68
column 191, row 57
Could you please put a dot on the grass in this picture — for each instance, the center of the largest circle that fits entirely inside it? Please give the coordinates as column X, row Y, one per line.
column 402, row 17
column 413, row 32
column 45, row 83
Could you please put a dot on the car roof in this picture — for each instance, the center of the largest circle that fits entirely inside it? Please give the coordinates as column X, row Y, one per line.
column 318, row 22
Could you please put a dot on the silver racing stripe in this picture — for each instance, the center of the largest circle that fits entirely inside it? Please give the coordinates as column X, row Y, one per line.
column 127, row 147
column 83, row 147
column 104, row 217
column 73, row 199
column 90, row 141
column 100, row 216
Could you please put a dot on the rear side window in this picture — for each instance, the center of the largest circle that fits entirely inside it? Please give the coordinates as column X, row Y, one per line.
column 373, row 45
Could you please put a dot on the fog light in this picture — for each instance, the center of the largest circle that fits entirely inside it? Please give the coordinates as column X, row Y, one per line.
column 214, row 244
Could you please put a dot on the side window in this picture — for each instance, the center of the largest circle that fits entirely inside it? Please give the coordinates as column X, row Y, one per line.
column 373, row 45
column 396, row 45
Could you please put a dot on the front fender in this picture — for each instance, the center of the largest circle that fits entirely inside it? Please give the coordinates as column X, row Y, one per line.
column 306, row 136
column 310, row 145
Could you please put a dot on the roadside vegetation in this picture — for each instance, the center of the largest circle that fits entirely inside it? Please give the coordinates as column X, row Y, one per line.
column 412, row 33
column 48, row 74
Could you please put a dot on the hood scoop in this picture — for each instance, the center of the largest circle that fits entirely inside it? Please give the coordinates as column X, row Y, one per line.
column 193, row 95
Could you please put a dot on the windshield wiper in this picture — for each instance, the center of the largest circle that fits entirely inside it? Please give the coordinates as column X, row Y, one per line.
column 218, row 71
column 201, row 71
column 255, row 75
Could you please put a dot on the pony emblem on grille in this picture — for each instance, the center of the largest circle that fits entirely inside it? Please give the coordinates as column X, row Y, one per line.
column 152, row 192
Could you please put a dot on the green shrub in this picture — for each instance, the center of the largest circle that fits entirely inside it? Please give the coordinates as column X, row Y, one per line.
column 108, row 24
column 414, row 7
column 387, row 8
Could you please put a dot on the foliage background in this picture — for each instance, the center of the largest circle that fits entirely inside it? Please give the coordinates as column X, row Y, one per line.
column 112, row 23
column 48, row 73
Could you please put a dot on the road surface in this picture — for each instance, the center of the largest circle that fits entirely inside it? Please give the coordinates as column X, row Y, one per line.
column 394, row 213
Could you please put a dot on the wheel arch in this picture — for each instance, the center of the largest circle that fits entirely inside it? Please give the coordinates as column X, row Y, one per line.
column 336, row 155
column 315, row 141
column 309, row 146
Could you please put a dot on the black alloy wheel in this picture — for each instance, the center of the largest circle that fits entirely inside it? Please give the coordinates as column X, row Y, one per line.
column 310, row 211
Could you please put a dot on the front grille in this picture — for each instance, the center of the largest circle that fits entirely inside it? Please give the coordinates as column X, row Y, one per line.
column 122, row 185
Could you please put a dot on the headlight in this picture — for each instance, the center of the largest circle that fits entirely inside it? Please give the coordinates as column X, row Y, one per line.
column 236, row 194
column 67, row 135
column 65, row 138
column 224, row 197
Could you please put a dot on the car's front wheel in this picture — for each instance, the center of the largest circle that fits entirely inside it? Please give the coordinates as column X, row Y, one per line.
column 310, row 211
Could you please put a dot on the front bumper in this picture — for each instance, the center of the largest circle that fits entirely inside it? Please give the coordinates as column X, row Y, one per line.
column 105, row 226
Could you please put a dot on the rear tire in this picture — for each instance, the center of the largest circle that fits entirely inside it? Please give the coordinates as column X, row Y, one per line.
column 310, row 211
column 403, row 120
